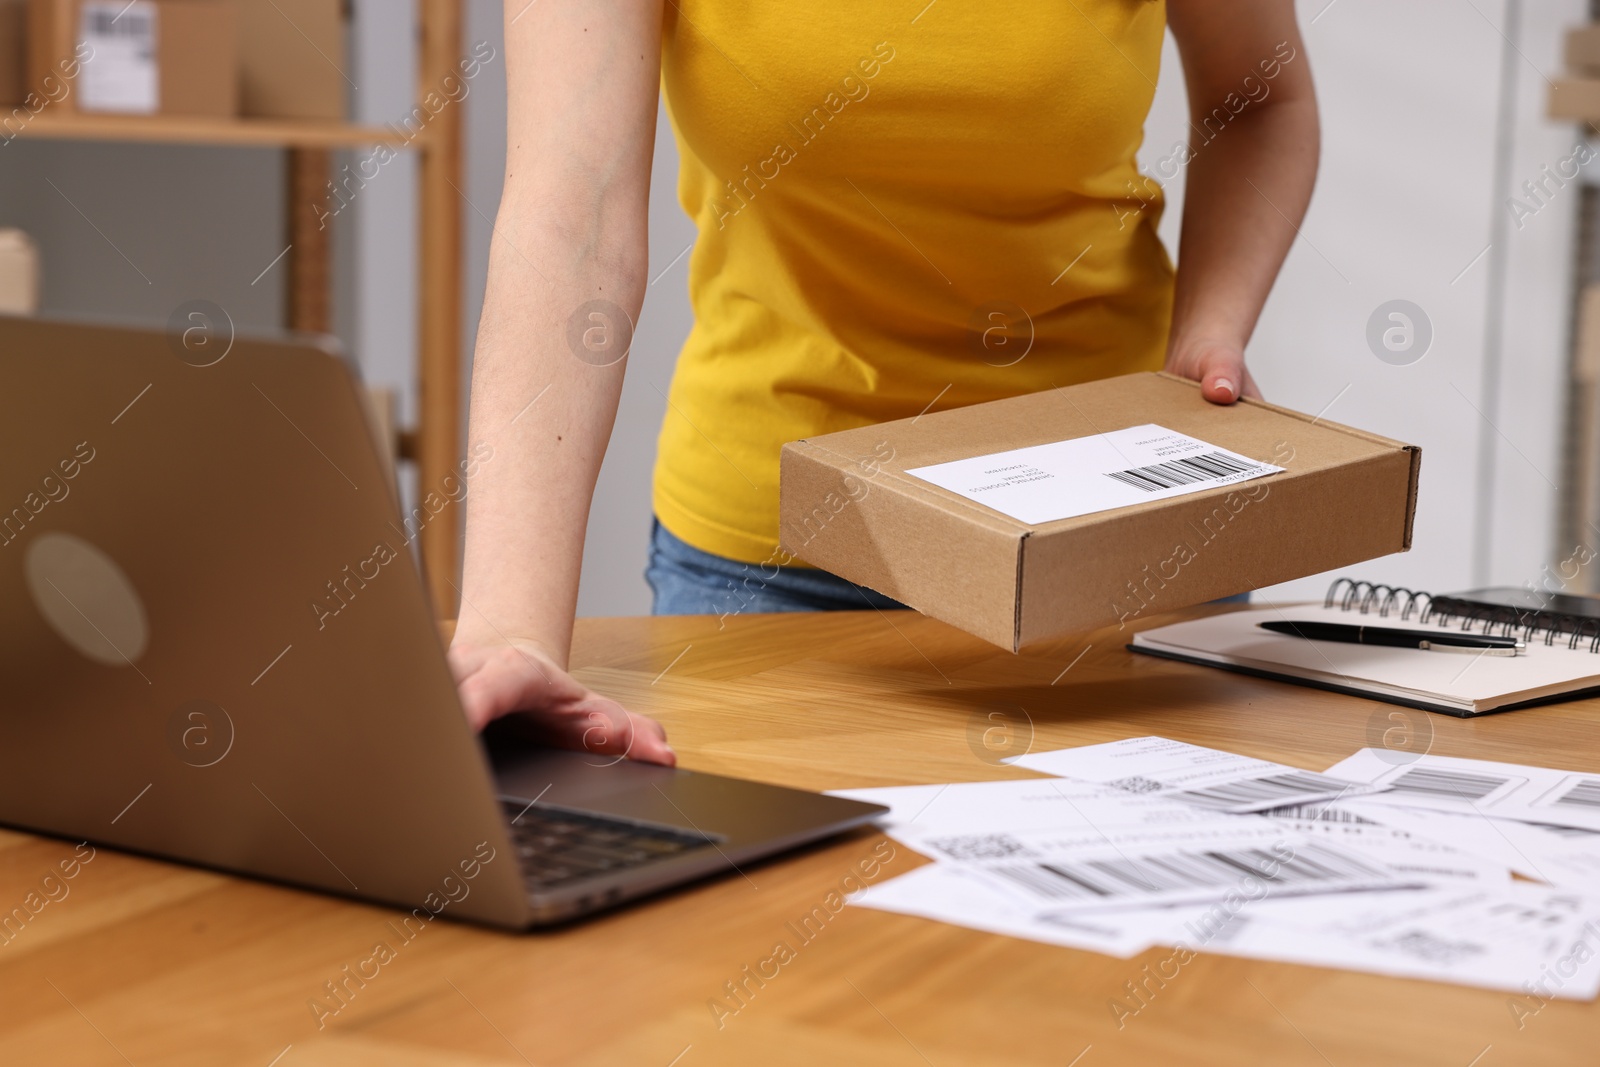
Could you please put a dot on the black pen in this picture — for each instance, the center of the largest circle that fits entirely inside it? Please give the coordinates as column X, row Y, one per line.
column 1388, row 636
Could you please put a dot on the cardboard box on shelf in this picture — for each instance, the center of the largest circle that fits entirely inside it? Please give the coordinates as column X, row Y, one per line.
column 1160, row 501
column 1583, row 50
column 148, row 57
column 199, row 57
column 292, row 59
column 19, row 273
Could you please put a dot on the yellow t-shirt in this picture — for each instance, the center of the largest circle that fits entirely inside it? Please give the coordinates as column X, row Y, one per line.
column 898, row 211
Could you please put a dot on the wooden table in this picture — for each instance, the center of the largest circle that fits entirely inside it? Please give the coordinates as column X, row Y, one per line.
column 151, row 964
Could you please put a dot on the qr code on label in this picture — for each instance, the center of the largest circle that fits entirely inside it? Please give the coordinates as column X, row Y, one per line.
column 1137, row 784
column 980, row 847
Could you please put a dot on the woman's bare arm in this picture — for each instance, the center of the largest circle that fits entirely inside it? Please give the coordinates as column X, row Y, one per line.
column 1254, row 147
column 567, row 272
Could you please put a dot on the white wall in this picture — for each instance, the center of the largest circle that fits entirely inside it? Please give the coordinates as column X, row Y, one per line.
column 1430, row 112
column 1522, row 452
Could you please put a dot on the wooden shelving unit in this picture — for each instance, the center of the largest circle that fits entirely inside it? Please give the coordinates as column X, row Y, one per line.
column 434, row 443
column 239, row 133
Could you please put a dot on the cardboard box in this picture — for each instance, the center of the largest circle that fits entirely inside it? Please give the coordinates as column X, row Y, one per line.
column 1583, row 49
column 292, row 59
column 19, row 273
column 847, row 505
column 1573, row 98
column 199, row 57
column 166, row 57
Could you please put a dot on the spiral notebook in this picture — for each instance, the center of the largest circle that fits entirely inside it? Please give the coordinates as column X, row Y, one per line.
column 1562, row 660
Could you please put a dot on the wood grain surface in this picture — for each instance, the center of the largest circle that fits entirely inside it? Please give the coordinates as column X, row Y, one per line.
column 147, row 963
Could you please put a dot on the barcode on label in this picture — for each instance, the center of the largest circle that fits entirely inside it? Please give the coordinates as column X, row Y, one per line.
column 1318, row 812
column 1208, row 467
column 1108, row 879
column 1261, row 792
column 1586, row 794
column 1431, row 781
column 127, row 23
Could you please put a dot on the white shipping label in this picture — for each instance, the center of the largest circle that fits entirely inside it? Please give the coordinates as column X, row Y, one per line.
column 1178, row 771
column 121, row 73
column 1066, row 479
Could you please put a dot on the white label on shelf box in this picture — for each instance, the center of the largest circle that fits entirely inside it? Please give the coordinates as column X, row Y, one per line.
column 121, row 73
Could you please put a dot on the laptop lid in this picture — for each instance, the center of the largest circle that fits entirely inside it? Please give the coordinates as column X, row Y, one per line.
column 189, row 540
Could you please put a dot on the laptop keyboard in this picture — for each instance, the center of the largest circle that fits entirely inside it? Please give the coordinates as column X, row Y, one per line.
column 555, row 847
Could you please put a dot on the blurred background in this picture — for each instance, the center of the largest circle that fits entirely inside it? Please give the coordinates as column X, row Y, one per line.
column 1456, row 178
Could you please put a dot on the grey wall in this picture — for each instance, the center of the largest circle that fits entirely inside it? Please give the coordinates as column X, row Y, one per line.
column 375, row 241
column 129, row 232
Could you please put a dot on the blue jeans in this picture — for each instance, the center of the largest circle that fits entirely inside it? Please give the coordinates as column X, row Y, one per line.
column 688, row 581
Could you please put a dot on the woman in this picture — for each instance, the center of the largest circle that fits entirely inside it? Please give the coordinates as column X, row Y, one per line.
column 886, row 196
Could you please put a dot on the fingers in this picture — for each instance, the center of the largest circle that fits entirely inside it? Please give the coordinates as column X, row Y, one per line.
column 499, row 681
column 650, row 741
column 1219, row 368
column 610, row 729
column 1222, row 378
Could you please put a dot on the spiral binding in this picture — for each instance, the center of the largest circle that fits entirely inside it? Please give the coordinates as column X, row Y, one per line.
column 1364, row 597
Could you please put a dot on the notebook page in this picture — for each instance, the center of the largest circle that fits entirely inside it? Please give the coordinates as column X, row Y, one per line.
column 1462, row 678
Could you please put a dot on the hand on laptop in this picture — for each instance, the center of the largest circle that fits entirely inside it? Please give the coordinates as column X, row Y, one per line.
column 516, row 677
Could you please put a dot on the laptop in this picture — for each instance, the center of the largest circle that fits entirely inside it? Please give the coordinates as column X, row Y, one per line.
column 215, row 648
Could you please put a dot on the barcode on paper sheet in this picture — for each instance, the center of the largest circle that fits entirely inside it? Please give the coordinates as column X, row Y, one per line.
column 1107, row 879
column 1431, row 781
column 1263, row 792
column 1585, row 794
column 1319, row 811
column 1207, row 467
